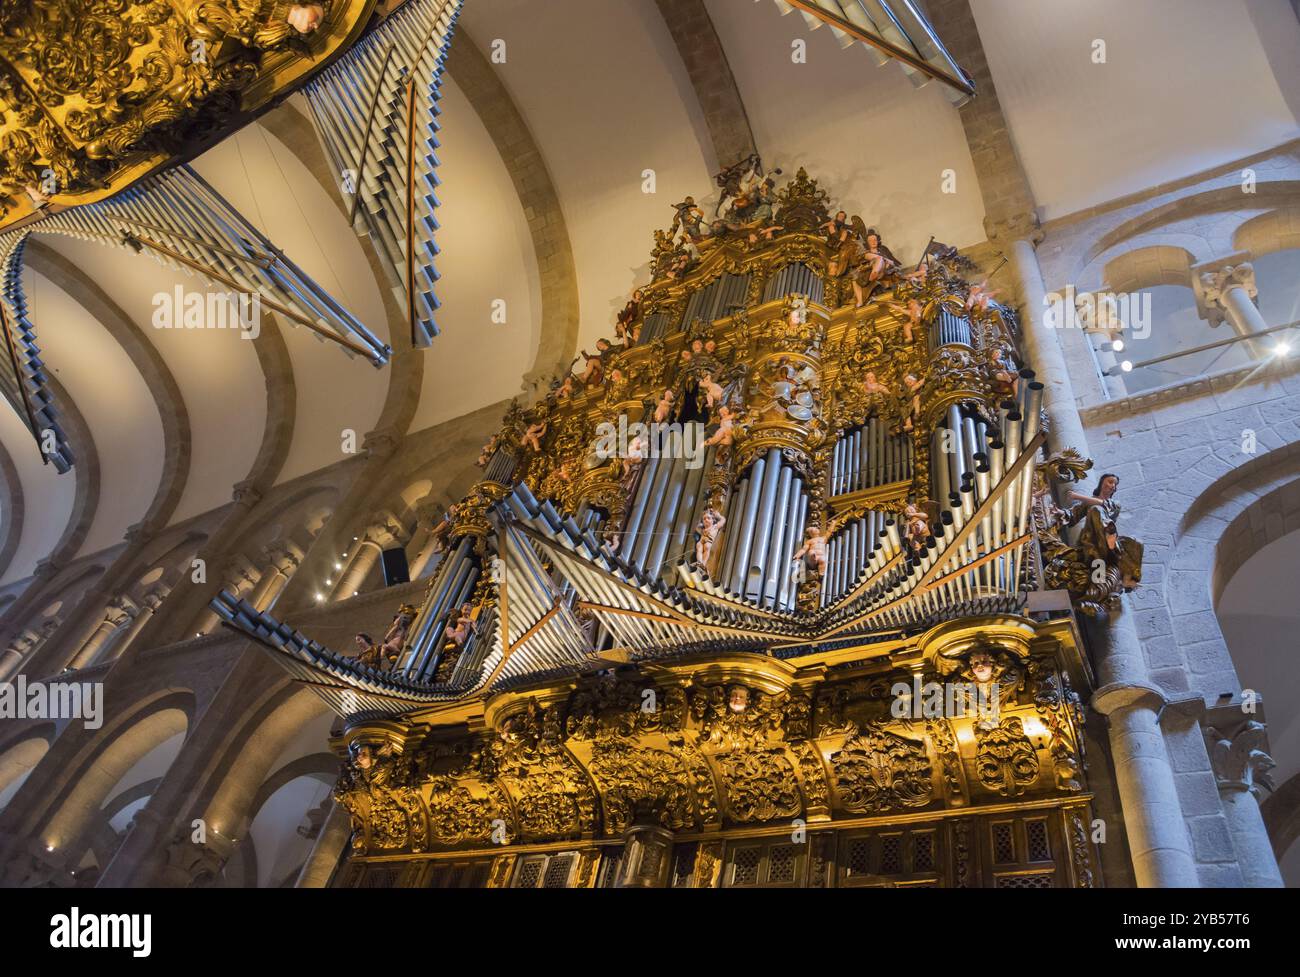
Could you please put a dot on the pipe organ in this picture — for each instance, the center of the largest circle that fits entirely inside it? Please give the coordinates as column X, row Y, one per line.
column 178, row 219
column 697, row 596
column 376, row 109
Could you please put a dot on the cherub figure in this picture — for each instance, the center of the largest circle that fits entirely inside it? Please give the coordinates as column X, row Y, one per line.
column 725, row 433
column 979, row 297
column 533, row 436
column 395, row 637
column 917, row 523
column 458, row 631
column 615, row 383
column 874, row 388
column 813, row 551
column 1002, row 379
column 440, row 533
column 711, row 390
column 664, row 408
column 633, row 459
column 305, row 18
column 623, row 323
column 367, row 650
column 912, row 312
column 690, row 219
column 595, row 370
column 711, row 523
column 913, row 386
column 554, row 483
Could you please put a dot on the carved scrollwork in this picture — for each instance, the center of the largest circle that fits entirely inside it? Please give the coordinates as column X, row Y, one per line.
column 1005, row 758
column 877, row 770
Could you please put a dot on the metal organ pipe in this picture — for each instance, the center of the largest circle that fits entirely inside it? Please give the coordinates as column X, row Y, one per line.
column 776, row 546
column 793, row 540
column 731, row 531
column 662, row 509
column 694, row 501
column 746, row 527
column 763, row 528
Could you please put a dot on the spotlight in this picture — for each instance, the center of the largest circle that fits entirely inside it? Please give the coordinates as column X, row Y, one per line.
column 1126, row 366
column 1117, row 346
column 1281, row 348
column 329, row 583
column 338, row 566
column 320, row 598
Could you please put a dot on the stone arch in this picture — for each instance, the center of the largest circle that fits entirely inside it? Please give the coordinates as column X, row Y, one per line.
column 1281, row 193
column 20, row 756
column 1199, row 483
column 253, row 856
column 12, row 507
column 232, row 801
column 1156, row 264
column 1278, row 230
column 99, row 763
column 526, row 165
column 177, row 437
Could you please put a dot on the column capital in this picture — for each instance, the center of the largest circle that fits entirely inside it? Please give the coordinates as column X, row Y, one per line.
column 1020, row 227
column 1211, row 281
column 139, row 533
column 381, row 442
column 46, row 570
column 429, row 511
column 1240, row 758
column 119, row 611
column 283, row 556
column 246, row 494
column 236, row 571
column 154, row 598
column 386, row 532
column 1110, row 699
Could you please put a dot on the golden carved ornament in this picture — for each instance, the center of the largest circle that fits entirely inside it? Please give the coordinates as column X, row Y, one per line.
column 96, row 94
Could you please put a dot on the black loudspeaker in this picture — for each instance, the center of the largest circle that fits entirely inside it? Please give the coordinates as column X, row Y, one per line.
column 396, row 569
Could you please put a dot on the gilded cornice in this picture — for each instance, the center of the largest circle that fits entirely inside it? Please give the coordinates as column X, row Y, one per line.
column 97, row 94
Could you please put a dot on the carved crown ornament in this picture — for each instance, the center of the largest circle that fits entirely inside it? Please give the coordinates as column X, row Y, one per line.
column 96, row 94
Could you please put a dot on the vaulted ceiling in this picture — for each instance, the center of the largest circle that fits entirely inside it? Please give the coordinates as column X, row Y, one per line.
column 543, row 206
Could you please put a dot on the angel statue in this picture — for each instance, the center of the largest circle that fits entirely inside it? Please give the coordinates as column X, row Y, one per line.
column 711, row 523
column 1101, row 564
column 1100, row 539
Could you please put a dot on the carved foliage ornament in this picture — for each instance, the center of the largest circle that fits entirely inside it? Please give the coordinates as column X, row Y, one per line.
column 94, row 93
column 877, row 771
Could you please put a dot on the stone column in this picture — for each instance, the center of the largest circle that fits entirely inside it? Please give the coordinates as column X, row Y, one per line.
column 1161, row 848
column 282, row 560
column 1153, row 814
column 325, row 854
column 149, row 603
column 1043, row 351
column 647, row 857
column 119, row 611
column 1225, row 291
column 17, row 612
column 1241, row 763
column 366, row 550
column 1096, row 313
column 12, row 657
column 239, row 578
